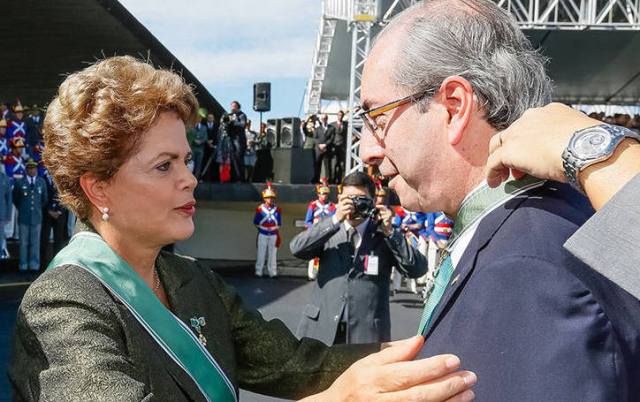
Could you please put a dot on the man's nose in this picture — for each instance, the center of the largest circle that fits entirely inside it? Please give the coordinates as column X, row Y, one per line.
column 371, row 152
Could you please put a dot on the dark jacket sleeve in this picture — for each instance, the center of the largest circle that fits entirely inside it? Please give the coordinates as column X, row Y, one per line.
column 66, row 346
column 410, row 261
column 309, row 244
column 608, row 242
column 272, row 360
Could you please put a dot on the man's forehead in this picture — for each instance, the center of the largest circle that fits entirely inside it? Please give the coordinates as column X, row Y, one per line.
column 377, row 79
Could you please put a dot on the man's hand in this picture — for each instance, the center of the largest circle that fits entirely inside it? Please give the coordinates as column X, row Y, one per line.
column 391, row 375
column 385, row 215
column 322, row 147
column 54, row 214
column 534, row 143
column 345, row 208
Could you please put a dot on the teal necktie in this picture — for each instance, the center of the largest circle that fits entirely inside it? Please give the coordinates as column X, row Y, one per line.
column 442, row 280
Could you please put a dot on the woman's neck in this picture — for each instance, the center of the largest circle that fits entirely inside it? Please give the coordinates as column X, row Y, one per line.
column 140, row 257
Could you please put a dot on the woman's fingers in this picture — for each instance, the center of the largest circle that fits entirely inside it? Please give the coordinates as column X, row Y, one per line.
column 446, row 388
column 397, row 351
column 406, row 374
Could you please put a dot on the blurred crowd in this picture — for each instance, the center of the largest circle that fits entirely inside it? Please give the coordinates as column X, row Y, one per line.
column 619, row 119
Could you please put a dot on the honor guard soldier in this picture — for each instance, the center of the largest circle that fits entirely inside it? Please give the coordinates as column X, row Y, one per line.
column 30, row 197
column 437, row 231
column 4, row 142
column 318, row 210
column 17, row 126
column 268, row 219
column 412, row 224
column 14, row 163
column 381, row 193
column 37, row 156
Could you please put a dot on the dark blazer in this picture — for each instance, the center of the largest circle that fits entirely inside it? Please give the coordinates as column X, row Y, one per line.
column 322, row 136
column 339, row 135
column 77, row 342
column 342, row 285
column 530, row 319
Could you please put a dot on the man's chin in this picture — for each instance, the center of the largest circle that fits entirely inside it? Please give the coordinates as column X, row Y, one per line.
column 409, row 198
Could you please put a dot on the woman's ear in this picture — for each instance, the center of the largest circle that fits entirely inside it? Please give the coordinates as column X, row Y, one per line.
column 459, row 103
column 95, row 190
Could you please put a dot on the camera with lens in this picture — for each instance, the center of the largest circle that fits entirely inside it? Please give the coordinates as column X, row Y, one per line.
column 364, row 207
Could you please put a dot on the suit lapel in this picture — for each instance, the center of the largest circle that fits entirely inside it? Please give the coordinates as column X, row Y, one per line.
column 486, row 230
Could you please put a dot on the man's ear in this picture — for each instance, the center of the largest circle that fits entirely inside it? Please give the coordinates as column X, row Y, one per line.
column 458, row 100
column 95, row 190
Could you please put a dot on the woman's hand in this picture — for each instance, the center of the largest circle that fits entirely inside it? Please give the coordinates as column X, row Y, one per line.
column 391, row 375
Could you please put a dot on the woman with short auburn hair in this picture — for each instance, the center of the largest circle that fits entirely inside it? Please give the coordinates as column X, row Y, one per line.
column 116, row 319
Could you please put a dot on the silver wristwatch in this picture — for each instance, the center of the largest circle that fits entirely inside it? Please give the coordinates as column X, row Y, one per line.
column 592, row 145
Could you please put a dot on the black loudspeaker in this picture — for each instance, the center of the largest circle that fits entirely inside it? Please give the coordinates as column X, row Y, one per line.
column 273, row 132
column 262, row 96
column 292, row 166
column 290, row 135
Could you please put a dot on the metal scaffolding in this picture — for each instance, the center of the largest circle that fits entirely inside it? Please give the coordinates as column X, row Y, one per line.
column 362, row 15
column 575, row 14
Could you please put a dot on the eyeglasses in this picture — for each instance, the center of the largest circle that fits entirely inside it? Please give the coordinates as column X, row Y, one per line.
column 369, row 116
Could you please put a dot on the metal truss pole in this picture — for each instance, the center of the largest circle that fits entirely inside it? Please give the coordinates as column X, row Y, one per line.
column 360, row 43
column 320, row 63
column 366, row 13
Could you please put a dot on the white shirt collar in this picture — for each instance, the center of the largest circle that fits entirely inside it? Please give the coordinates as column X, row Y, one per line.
column 461, row 245
column 360, row 229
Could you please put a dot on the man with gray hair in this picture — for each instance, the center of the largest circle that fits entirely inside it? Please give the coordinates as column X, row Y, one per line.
column 531, row 320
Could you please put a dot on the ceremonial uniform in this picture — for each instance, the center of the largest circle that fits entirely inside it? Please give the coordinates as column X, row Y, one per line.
column 268, row 219
column 14, row 163
column 317, row 211
column 17, row 127
column 437, row 231
column 34, row 127
column 411, row 224
column 36, row 155
column 29, row 197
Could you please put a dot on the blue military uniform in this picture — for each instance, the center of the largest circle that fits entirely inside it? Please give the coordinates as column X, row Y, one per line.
column 30, row 197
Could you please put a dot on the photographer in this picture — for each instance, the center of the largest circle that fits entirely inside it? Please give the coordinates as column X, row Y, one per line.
column 235, row 123
column 357, row 248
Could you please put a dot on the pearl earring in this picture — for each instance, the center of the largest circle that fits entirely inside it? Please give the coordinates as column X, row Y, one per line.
column 105, row 214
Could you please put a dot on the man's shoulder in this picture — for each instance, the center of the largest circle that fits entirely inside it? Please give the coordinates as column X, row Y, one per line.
column 529, row 243
column 539, row 222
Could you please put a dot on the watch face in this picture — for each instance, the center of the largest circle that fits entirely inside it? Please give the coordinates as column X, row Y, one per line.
column 591, row 144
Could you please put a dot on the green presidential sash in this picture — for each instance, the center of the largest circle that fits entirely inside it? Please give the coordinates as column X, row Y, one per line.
column 477, row 205
column 90, row 252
